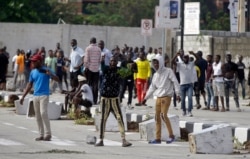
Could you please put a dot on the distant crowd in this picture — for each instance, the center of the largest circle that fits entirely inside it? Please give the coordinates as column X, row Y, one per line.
column 209, row 78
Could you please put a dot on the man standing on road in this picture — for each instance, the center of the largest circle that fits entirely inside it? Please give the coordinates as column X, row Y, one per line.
column 241, row 76
column 230, row 74
column 92, row 63
column 76, row 61
column 110, row 101
column 40, row 77
column 218, row 84
column 3, row 69
column 186, row 69
column 163, row 85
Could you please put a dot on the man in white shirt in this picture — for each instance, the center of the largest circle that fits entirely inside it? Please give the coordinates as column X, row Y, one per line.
column 186, row 69
column 76, row 61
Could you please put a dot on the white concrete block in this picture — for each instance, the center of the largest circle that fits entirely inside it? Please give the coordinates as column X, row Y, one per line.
column 147, row 128
column 241, row 134
column 217, row 139
column 54, row 110
column 111, row 124
column 22, row 109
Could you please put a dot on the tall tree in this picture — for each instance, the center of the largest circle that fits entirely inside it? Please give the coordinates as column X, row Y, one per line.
column 121, row 12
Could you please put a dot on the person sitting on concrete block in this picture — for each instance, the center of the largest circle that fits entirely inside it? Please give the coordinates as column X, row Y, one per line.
column 83, row 97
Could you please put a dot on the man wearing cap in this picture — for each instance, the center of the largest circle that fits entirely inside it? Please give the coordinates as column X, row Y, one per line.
column 186, row 81
column 83, row 97
column 40, row 77
column 230, row 74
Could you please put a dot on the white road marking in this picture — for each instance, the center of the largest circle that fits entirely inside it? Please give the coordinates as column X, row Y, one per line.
column 20, row 127
column 9, row 124
column 61, row 142
column 6, row 142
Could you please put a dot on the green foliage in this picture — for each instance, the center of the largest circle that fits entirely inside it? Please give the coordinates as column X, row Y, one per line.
column 124, row 72
column 121, row 12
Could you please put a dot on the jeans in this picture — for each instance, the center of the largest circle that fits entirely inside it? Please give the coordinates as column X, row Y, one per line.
column 210, row 94
column 186, row 89
column 231, row 85
column 242, row 83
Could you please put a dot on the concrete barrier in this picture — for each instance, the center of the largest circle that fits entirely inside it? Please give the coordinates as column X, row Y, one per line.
column 111, row 124
column 147, row 129
column 217, row 139
column 54, row 110
column 22, row 109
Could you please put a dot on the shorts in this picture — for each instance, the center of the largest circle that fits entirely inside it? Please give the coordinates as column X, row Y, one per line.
column 86, row 103
column 2, row 78
column 218, row 88
column 20, row 77
column 199, row 87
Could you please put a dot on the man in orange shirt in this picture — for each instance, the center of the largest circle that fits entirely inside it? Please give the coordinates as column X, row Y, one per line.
column 20, row 71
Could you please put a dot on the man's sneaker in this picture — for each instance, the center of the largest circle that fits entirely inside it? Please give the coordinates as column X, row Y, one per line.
column 138, row 104
column 184, row 113
column 198, row 106
column 130, row 107
column 100, row 143
column 126, row 143
column 227, row 109
column 170, row 140
column 155, row 141
column 39, row 138
column 238, row 110
column 189, row 114
column 47, row 138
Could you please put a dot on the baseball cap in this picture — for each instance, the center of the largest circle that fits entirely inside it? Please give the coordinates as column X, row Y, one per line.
column 81, row 78
column 36, row 58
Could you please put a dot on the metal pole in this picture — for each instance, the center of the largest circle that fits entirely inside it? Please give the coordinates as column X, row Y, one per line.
column 182, row 23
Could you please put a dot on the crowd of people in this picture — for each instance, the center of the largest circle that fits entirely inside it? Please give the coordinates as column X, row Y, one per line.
column 102, row 76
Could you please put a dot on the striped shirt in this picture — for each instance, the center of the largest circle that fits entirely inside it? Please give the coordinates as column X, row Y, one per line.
column 92, row 59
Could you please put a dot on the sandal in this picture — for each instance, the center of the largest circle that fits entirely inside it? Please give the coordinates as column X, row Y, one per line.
column 155, row 141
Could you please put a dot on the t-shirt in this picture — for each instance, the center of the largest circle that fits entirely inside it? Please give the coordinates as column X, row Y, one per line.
column 41, row 82
column 202, row 64
column 20, row 63
column 51, row 63
column 241, row 73
column 111, row 82
column 4, row 64
column 59, row 66
column 75, row 58
column 87, row 93
column 186, row 72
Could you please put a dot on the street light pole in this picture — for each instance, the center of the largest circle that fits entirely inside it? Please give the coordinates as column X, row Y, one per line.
column 182, row 23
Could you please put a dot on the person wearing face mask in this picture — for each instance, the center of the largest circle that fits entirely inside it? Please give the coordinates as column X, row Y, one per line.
column 76, row 61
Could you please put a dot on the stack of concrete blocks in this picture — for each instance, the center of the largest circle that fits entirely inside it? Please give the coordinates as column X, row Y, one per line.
column 217, row 139
column 111, row 124
column 54, row 110
column 147, row 128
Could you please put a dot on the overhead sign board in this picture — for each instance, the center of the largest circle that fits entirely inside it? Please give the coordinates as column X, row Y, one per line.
column 192, row 18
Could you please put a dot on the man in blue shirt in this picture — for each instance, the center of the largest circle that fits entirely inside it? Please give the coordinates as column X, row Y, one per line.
column 40, row 76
